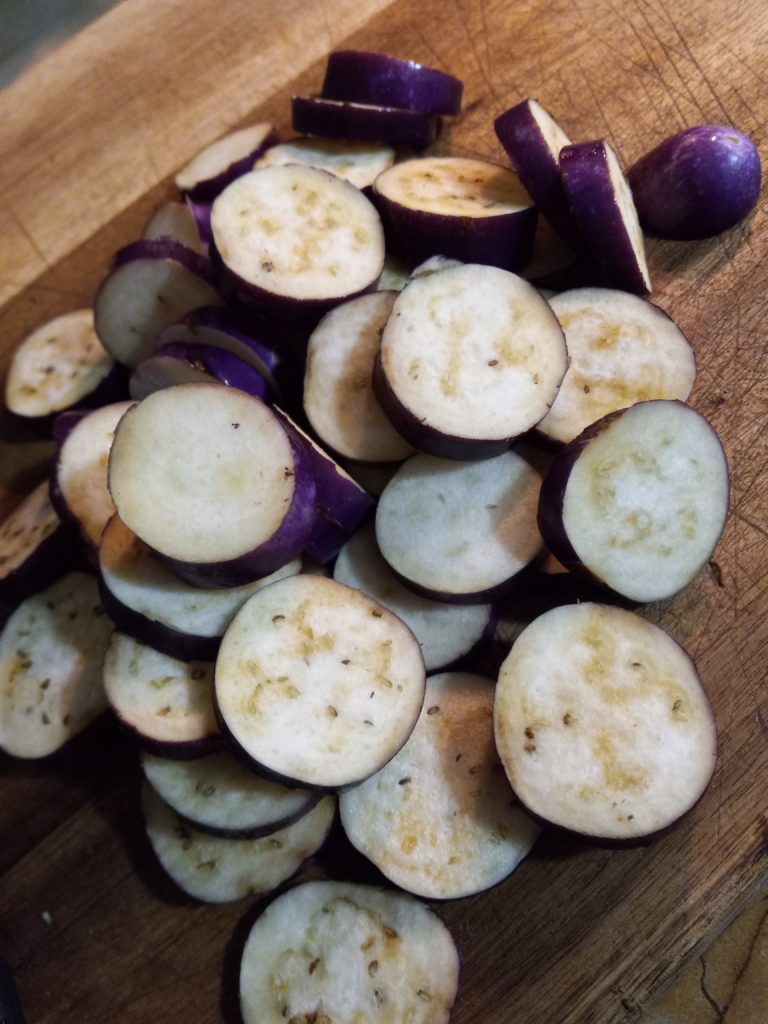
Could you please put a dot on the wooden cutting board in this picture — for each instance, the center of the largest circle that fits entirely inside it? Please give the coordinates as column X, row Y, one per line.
column 579, row 934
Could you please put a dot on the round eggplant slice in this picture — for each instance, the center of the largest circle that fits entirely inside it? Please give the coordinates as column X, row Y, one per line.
column 363, row 122
column 35, row 546
column 79, row 488
column 51, row 652
column 471, row 357
column 446, row 632
column 333, row 951
column 697, row 183
column 318, row 684
column 359, row 163
column 469, row 210
column 602, row 723
column 219, row 795
column 638, row 500
column 177, row 363
column 217, row 870
column 532, row 140
column 460, row 531
column 175, row 220
column 364, row 77
column 149, row 285
column 440, row 819
column 622, row 350
column 145, row 599
column 208, row 477
column 167, row 705
column 338, row 382
column 602, row 205
column 212, row 169
column 296, row 240
column 58, row 366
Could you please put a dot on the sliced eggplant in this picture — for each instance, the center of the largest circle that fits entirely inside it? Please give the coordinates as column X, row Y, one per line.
column 622, row 350
column 220, row 796
column 602, row 723
column 296, row 241
column 51, row 652
column 35, row 547
column 446, row 632
column 471, row 357
column 167, row 705
column 359, row 163
column 602, row 205
column 440, row 819
column 177, row 363
column 145, row 599
column 217, row 870
column 338, row 382
column 177, row 221
column 363, row 122
column 337, row 952
column 318, row 684
column 60, row 365
column 214, row 167
column 208, row 477
column 149, row 285
column 470, row 210
column 364, row 77
column 460, row 532
column 394, row 275
column 638, row 500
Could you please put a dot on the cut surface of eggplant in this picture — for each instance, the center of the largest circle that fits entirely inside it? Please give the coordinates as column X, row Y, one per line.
column 167, row 704
column 365, row 77
column 222, row 161
column 175, row 220
column 219, row 795
column 333, row 951
column 298, row 235
column 440, row 820
column 79, row 484
column 460, row 531
column 147, row 600
column 177, row 363
column 446, row 632
column 602, row 205
column 602, row 723
column 363, row 122
column 639, row 499
column 317, row 683
column 51, row 652
column 469, row 210
column 359, row 163
column 56, row 366
column 622, row 350
column 471, row 357
column 338, row 382
column 216, row 870
column 207, row 476
column 150, row 285
column 33, row 546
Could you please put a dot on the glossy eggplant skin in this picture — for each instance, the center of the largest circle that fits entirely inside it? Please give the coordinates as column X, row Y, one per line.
column 697, row 183
column 363, row 77
column 335, row 119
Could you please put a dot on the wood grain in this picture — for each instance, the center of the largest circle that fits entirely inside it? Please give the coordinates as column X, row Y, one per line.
column 579, row 934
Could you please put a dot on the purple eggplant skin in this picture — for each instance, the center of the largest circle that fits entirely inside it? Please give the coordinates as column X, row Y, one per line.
column 363, row 77
column 180, row 750
column 426, row 438
column 204, row 192
column 504, row 241
column 10, row 1004
column 173, row 642
column 164, row 249
column 201, row 211
column 65, row 422
column 697, row 183
column 520, row 136
column 219, row 365
column 490, row 595
column 343, row 120
column 285, row 544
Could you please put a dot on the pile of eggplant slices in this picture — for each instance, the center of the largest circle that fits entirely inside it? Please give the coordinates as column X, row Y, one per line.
column 289, row 497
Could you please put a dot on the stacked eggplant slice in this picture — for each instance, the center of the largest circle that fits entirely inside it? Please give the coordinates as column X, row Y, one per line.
column 319, row 321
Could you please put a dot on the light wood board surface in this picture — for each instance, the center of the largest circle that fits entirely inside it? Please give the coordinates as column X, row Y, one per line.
column 579, row 934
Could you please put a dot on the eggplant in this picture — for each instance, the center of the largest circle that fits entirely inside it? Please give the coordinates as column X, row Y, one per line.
column 697, row 183
column 602, row 723
column 213, row 168
column 359, row 163
column 362, row 77
column 177, row 221
column 363, row 122
column 177, row 363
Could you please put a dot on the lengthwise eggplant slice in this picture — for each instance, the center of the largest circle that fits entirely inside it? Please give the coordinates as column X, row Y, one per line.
column 336, row 952
column 440, row 820
column 318, row 684
column 602, row 723
column 217, row 870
